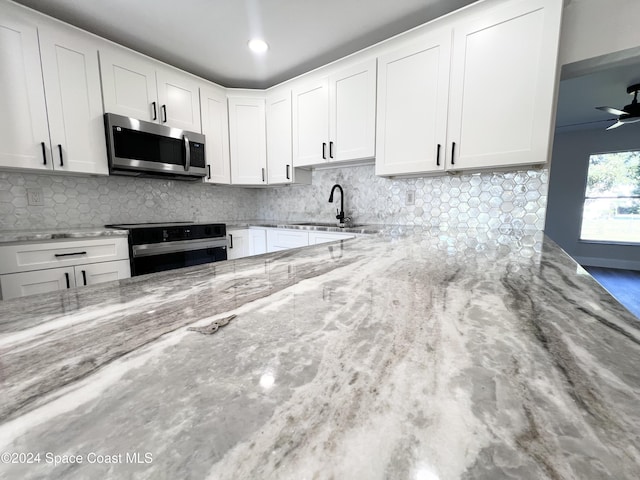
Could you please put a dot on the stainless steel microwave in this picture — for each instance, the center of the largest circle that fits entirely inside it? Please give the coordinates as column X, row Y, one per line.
column 144, row 149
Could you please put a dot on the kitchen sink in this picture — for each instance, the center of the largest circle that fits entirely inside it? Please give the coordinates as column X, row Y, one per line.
column 328, row 224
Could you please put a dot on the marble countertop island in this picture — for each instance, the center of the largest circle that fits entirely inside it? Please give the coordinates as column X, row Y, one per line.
column 417, row 355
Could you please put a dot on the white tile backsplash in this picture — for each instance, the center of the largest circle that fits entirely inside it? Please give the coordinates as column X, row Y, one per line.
column 507, row 201
column 74, row 201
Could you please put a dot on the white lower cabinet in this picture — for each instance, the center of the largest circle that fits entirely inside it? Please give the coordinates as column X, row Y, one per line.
column 323, row 237
column 237, row 243
column 283, row 239
column 257, row 241
column 54, row 279
column 48, row 266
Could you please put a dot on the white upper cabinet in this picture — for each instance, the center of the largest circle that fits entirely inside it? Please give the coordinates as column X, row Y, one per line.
column 247, row 141
column 74, row 101
column 413, row 87
column 215, row 127
column 334, row 117
column 503, row 80
column 51, row 104
column 137, row 87
column 279, row 146
column 179, row 99
column 311, row 122
column 24, row 133
column 352, row 112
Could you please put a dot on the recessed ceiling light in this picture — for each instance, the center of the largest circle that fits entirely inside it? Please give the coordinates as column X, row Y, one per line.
column 258, row 46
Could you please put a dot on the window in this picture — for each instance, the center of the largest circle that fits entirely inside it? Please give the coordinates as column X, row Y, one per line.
column 611, row 210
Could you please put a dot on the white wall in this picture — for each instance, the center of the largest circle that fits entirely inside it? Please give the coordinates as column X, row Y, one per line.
column 567, row 184
column 592, row 28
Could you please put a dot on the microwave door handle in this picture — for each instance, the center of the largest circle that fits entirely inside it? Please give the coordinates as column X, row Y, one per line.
column 187, row 154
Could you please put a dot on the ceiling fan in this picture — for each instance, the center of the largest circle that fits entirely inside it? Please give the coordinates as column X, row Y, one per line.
column 630, row 113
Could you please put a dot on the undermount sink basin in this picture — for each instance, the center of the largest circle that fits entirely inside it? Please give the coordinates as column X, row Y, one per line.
column 328, row 224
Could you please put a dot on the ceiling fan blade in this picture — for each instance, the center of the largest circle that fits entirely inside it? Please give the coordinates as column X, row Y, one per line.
column 615, row 125
column 612, row 111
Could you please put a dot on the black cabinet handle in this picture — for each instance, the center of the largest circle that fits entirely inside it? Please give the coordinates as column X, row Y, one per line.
column 209, row 170
column 164, row 114
column 231, row 240
column 44, row 152
column 453, row 153
column 330, row 149
column 438, row 156
column 69, row 254
column 61, row 159
column 84, row 277
column 66, row 276
column 324, row 150
column 288, row 178
column 263, row 174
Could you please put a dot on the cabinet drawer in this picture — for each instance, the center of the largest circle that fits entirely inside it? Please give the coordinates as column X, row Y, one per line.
column 283, row 239
column 41, row 255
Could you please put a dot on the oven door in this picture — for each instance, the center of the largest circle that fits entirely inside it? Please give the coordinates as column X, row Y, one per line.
column 158, row 257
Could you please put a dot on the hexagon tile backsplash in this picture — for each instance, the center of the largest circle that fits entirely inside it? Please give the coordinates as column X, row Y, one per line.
column 73, row 201
column 506, row 200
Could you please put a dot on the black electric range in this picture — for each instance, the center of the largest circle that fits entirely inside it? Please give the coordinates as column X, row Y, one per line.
column 155, row 247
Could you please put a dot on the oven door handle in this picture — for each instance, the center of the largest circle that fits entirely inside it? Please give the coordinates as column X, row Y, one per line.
column 149, row 249
column 187, row 153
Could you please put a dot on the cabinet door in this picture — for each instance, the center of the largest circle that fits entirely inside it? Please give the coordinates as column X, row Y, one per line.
column 352, row 112
column 238, row 244
column 503, row 84
column 178, row 100
column 279, row 149
column 94, row 273
column 247, row 141
column 129, row 85
column 215, row 126
column 311, row 123
column 283, row 239
column 413, row 84
column 41, row 281
column 74, row 101
column 24, row 132
column 324, row 237
column 257, row 241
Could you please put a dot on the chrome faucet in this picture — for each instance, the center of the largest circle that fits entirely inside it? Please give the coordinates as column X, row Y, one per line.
column 340, row 214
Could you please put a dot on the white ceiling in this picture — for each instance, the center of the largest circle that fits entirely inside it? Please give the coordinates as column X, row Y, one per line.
column 607, row 86
column 209, row 37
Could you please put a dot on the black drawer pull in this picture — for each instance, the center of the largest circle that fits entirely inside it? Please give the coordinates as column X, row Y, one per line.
column 453, row 153
column 438, row 156
column 69, row 254
column 324, row 150
column 288, row 178
column 84, row 276
column 209, row 169
column 330, row 149
column 44, row 152
column 61, row 159
column 164, row 114
column 155, row 111
column 231, row 240
column 66, row 276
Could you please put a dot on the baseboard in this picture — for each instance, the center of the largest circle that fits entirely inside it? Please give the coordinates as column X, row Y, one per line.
column 608, row 263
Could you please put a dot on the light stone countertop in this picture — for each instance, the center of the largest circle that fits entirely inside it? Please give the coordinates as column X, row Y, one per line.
column 403, row 355
column 7, row 236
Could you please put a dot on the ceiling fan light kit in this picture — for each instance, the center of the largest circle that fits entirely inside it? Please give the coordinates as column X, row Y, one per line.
column 630, row 113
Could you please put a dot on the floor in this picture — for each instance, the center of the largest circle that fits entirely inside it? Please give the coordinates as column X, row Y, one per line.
column 624, row 285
